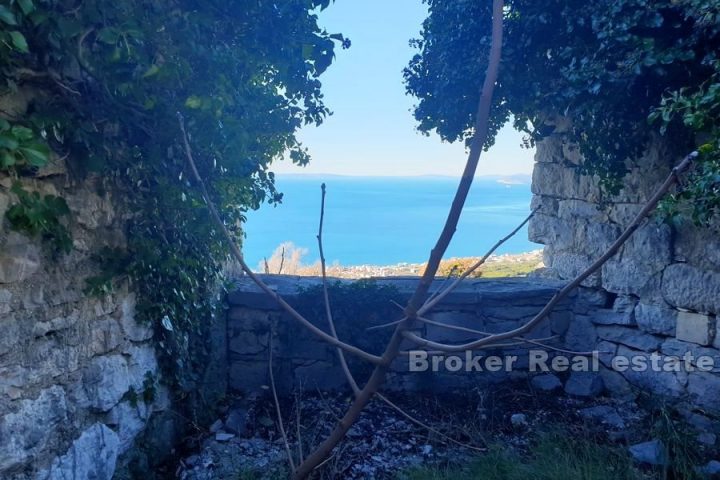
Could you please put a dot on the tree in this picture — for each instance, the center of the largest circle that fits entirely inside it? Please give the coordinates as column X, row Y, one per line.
column 106, row 79
column 607, row 65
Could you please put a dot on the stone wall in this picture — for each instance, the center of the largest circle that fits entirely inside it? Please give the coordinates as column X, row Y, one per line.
column 73, row 367
column 662, row 290
column 302, row 361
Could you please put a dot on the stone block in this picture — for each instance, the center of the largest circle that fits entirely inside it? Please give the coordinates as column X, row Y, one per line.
column 651, row 453
column 105, row 382
column 668, row 384
column 692, row 288
column 679, row 349
column 656, row 319
column 32, row 429
column 546, row 382
column 705, row 390
column 607, row 316
column 581, row 335
column 19, row 258
column 92, row 456
column 630, row 337
column 695, row 328
column 584, row 384
column 131, row 327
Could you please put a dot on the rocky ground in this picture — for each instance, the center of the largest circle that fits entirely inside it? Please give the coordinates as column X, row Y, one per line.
column 246, row 443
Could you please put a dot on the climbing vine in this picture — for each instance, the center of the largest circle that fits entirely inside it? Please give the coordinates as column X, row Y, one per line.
column 106, row 80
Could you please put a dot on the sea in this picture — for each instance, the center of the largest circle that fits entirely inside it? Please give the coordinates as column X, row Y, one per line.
column 388, row 220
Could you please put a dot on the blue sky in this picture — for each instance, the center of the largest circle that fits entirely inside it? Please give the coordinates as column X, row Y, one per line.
column 372, row 131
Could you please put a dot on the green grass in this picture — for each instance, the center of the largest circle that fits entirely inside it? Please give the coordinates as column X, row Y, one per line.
column 552, row 456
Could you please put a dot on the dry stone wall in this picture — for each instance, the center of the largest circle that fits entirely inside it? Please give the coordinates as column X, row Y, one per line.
column 662, row 290
column 302, row 361
column 69, row 362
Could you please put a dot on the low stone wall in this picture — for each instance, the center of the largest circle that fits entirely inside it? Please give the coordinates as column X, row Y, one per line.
column 302, row 361
column 73, row 368
column 662, row 289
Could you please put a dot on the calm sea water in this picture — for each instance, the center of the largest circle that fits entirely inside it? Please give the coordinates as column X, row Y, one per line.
column 385, row 221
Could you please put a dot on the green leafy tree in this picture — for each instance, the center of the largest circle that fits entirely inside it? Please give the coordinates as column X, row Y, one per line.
column 606, row 65
column 110, row 78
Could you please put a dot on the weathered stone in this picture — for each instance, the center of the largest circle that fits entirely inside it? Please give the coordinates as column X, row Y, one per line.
column 142, row 365
column 19, row 258
column 105, row 381
column 707, row 438
column 93, row 456
column 611, row 317
column 651, row 453
column 236, row 421
column 668, row 384
column 617, row 385
column 105, row 336
column 710, row 469
column 547, row 382
column 630, row 337
column 656, row 319
column 678, row 348
column 606, row 352
column 581, row 335
column 35, row 426
column 128, row 420
column 5, row 299
column 584, row 384
column 705, row 390
column 603, row 414
column 132, row 328
column 10, row 334
column 224, row 437
column 716, row 342
column 695, row 328
column 518, row 420
column 689, row 287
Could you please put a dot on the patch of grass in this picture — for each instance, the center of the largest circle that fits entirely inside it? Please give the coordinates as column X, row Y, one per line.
column 554, row 455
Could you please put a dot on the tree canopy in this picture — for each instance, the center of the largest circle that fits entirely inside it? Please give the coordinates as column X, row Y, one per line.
column 107, row 79
column 619, row 69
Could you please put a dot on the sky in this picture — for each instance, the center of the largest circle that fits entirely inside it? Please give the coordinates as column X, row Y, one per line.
column 372, row 131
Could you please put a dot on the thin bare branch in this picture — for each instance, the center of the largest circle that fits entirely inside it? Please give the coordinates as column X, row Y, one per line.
column 235, row 251
column 326, row 296
column 634, row 225
column 432, row 301
column 281, row 425
column 393, row 346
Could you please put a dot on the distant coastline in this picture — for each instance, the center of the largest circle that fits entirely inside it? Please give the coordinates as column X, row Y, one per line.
column 497, row 266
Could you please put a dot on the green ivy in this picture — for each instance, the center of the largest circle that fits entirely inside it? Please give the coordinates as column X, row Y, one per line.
column 40, row 216
column 108, row 79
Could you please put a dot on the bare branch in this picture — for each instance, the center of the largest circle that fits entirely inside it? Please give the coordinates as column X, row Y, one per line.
column 393, row 346
column 281, row 425
column 432, row 301
column 634, row 225
column 326, row 296
column 235, row 251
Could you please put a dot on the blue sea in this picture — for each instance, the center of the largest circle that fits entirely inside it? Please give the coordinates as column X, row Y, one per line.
column 387, row 220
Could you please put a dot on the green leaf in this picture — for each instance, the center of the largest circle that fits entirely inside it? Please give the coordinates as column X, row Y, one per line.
column 19, row 42
column 194, row 102
column 36, row 154
column 7, row 16
column 109, row 36
column 7, row 160
column 26, row 6
column 22, row 133
column 8, row 141
column 152, row 71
